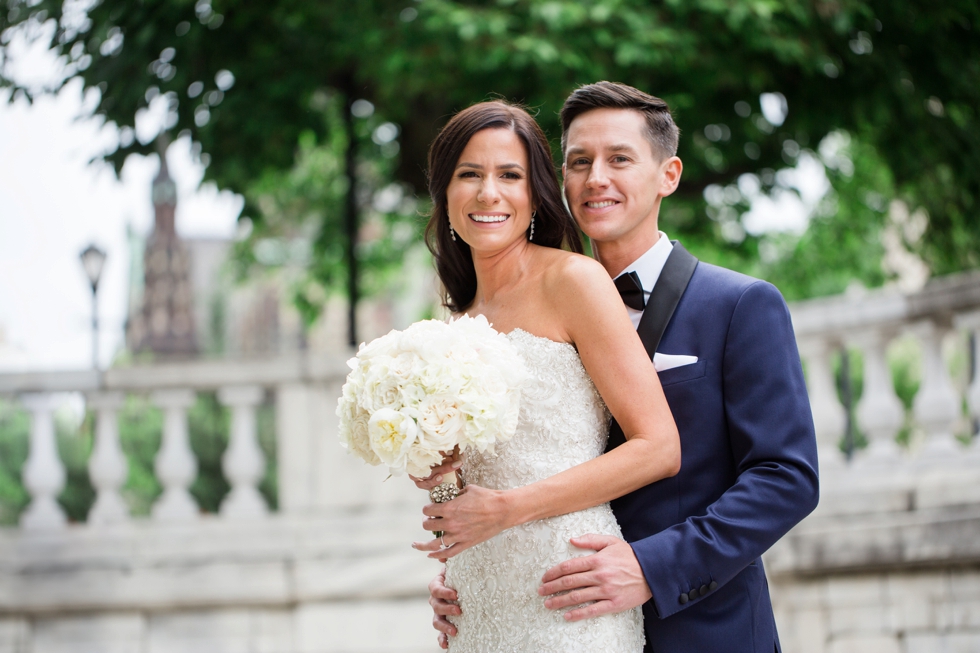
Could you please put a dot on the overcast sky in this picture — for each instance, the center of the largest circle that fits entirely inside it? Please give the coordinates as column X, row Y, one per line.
column 53, row 204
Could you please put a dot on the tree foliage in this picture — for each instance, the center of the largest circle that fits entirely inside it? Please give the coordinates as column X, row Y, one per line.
column 302, row 209
column 902, row 78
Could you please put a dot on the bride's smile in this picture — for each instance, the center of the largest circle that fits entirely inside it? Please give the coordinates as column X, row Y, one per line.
column 489, row 197
column 489, row 217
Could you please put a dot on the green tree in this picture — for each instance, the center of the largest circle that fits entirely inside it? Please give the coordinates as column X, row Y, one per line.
column 302, row 210
column 901, row 77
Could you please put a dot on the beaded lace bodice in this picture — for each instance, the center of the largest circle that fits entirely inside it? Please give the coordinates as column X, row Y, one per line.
column 563, row 422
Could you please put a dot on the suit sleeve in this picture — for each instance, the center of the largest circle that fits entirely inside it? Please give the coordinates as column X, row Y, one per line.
column 770, row 428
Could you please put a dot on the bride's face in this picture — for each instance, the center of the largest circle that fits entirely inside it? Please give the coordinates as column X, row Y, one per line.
column 489, row 198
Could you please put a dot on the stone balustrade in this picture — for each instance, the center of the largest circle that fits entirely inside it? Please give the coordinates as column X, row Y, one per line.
column 315, row 575
column 869, row 322
column 886, row 559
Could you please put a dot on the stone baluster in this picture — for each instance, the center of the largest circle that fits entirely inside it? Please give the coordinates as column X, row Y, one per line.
column 107, row 466
column 829, row 418
column 936, row 406
column 971, row 322
column 880, row 413
column 175, row 464
column 44, row 473
column 243, row 462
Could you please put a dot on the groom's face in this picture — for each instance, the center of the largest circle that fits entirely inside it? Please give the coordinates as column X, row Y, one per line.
column 613, row 178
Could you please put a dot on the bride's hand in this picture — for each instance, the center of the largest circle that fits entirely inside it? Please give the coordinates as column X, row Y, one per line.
column 475, row 516
column 450, row 463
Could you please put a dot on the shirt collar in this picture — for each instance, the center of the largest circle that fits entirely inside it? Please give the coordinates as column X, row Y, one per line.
column 649, row 266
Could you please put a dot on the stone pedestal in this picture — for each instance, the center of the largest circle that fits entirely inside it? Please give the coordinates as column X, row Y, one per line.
column 44, row 473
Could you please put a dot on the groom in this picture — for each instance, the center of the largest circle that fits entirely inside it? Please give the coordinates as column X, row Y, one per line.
column 724, row 348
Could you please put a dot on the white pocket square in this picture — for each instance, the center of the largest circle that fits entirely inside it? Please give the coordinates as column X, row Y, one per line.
column 664, row 362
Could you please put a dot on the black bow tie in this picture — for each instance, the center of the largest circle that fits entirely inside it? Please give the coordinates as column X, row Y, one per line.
column 631, row 290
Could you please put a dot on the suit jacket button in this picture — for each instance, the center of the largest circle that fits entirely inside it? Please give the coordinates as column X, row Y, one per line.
column 693, row 594
column 704, row 590
column 713, row 586
column 683, row 599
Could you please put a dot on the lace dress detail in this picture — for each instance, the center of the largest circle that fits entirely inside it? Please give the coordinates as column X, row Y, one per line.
column 563, row 423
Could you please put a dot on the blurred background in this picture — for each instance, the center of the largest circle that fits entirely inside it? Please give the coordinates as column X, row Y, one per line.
column 205, row 205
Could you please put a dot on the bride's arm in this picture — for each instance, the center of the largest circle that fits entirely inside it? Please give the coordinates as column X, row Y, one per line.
column 586, row 304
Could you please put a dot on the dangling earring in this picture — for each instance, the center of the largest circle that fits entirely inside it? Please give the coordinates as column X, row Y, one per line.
column 531, row 237
column 451, row 232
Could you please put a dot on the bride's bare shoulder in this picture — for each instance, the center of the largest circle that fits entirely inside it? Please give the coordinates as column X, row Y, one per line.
column 568, row 272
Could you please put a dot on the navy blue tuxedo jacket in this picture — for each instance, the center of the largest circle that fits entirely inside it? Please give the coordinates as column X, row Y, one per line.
column 748, row 471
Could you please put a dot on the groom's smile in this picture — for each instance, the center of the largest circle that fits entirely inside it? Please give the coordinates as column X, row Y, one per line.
column 614, row 181
column 599, row 206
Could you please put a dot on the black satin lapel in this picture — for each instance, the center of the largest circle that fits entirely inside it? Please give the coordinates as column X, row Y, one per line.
column 667, row 293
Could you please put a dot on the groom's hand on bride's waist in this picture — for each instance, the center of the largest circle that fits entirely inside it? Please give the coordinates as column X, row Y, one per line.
column 611, row 577
column 441, row 598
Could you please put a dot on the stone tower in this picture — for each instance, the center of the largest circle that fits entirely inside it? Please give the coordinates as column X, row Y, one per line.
column 164, row 324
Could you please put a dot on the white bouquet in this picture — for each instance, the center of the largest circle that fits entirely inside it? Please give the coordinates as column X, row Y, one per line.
column 412, row 395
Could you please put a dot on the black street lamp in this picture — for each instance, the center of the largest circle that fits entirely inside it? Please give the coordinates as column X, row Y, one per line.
column 93, row 259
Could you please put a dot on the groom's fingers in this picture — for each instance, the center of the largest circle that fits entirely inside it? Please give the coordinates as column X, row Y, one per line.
column 557, row 578
column 594, row 542
column 439, row 591
column 611, row 577
column 593, row 610
column 443, row 626
column 575, row 597
column 565, row 584
column 440, row 598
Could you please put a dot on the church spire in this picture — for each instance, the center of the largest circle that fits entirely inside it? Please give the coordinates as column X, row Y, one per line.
column 165, row 323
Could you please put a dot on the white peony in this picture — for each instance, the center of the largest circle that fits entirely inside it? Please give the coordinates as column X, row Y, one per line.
column 392, row 434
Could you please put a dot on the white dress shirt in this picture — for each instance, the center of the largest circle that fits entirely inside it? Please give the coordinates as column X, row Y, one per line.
column 648, row 267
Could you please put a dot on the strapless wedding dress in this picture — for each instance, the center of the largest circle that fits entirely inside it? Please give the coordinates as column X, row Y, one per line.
column 563, row 422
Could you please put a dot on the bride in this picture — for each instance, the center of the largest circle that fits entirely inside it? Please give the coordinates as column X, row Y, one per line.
column 501, row 237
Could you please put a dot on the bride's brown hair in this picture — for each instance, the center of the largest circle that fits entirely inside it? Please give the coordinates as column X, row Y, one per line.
column 553, row 226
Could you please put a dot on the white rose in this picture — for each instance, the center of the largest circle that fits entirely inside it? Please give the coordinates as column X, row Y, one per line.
column 441, row 421
column 373, row 393
column 387, row 393
column 354, row 436
column 406, row 365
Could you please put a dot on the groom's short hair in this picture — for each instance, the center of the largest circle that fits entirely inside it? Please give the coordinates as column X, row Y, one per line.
column 661, row 131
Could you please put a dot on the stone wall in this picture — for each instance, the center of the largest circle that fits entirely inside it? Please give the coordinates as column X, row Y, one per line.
column 335, row 583
column 889, row 563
